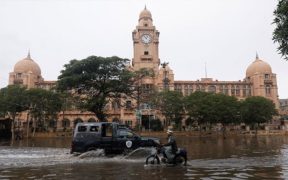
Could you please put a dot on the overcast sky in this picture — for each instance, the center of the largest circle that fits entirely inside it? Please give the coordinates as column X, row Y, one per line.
column 223, row 33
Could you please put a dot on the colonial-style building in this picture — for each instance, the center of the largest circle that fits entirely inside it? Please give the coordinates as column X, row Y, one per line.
column 259, row 80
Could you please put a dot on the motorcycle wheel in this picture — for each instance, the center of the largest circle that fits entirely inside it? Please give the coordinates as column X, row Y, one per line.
column 152, row 159
column 180, row 160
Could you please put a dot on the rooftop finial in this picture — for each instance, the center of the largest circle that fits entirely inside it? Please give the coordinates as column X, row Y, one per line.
column 29, row 56
column 257, row 57
column 145, row 7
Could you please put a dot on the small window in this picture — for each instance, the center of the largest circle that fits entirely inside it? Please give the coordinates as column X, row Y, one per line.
column 82, row 128
column 128, row 104
column 146, row 53
column 94, row 128
column 145, row 25
column 268, row 90
column 18, row 75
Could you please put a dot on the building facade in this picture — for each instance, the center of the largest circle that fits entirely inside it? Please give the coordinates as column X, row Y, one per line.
column 259, row 80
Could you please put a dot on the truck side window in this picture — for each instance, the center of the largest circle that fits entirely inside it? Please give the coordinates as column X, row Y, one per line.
column 82, row 128
column 125, row 134
column 94, row 128
column 107, row 130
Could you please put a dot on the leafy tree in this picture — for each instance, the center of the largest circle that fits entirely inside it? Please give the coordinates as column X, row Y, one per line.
column 280, row 34
column 196, row 107
column 212, row 108
column 225, row 109
column 170, row 103
column 95, row 81
column 44, row 106
column 256, row 110
column 13, row 101
column 222, row 109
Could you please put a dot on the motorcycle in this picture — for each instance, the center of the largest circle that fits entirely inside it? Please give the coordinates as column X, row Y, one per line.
column 159, row 156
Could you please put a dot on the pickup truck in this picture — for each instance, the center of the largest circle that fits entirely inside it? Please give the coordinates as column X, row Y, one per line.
column 112, row 137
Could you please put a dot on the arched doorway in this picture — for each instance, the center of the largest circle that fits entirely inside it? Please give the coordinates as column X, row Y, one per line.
column 53, row 124
column 115, row 119
column 77, row 120
column 92, row 120
column 65, row 123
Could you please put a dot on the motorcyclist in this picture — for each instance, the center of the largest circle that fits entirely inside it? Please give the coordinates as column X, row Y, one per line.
column 171, row 146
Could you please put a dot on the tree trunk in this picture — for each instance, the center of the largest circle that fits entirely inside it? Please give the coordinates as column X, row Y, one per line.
column 34, row 127
column 224, row 132
column 12, row 129
column 28, row 125
column 256, row 129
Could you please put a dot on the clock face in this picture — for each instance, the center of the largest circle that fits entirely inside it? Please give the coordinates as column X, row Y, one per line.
column 146, row 38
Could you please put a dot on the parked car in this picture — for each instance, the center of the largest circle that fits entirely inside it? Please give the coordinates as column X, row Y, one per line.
column 112, row 137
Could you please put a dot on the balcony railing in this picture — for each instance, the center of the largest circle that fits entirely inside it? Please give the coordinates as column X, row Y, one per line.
column 267, row 81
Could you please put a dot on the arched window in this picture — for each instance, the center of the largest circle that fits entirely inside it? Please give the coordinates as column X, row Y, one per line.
column 233, row 90
column 91, row 120
column 115, row 119
column 128, row 104
column 249, row 91
column 226, row 90
column 202, row 88
column 190, row 89
column 221, row 89
column 178, row 87
column 77, row 120
column 212, row 89
column 268, row 90
column 65, row 123
column 237, row 90
column 197, row 88
column 246, row 90
column 53, row 123
column 116, row 104
column 186, row 93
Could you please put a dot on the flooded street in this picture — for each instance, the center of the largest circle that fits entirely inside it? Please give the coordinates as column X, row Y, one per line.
column 263, row 157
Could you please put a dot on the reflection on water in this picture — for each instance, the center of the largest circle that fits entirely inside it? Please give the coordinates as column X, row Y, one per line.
column 209, row 158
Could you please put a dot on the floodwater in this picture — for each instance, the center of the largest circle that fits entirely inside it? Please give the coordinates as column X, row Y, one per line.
column 263, row 157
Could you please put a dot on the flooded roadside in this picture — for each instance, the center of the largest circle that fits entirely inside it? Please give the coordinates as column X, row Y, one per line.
column 209, row 157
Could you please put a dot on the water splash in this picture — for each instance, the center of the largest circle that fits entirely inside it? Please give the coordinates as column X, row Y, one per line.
column 139, row 153
column 94, row 153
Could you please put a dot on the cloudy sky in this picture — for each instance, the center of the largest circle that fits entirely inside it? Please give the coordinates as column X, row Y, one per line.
column 224, row 34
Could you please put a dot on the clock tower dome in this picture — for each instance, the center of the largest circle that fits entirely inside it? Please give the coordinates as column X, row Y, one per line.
column 145, row 43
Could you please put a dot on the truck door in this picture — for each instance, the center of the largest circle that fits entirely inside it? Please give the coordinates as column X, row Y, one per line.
column 107, row 136
column 126, row 140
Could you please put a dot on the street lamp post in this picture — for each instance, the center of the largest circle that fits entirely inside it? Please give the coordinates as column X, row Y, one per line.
column 149, row 109
column 165, row 78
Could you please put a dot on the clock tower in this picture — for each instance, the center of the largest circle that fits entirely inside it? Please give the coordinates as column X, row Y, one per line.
column 145, row 43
